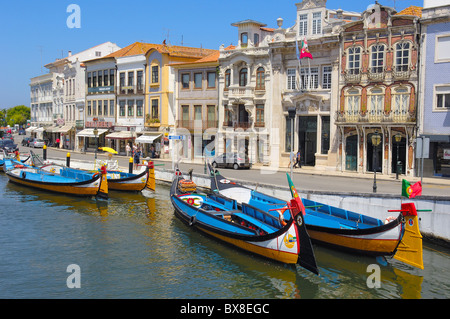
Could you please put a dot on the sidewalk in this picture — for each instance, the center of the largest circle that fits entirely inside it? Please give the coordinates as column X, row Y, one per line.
column 310, row 170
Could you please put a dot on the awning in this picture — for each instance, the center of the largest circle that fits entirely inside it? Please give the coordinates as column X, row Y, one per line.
column 31, row 129
column 147, row 138
column 64, row 129
column 40, row 129
column 52, row 129
column 122, row 135
column 89, row 132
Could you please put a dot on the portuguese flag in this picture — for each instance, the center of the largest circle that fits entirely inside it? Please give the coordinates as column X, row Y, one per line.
column 411, row 191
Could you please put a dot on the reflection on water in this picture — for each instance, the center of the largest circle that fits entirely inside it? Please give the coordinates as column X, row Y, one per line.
column 132, row 246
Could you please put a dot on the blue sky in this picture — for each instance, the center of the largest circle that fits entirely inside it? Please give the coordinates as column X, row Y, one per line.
column 33, row 30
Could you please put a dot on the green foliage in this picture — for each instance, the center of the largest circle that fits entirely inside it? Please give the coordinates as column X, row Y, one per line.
column 17, row 115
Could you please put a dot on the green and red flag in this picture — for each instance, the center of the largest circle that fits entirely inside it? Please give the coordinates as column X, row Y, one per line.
column 295, row 194
column 411, row 190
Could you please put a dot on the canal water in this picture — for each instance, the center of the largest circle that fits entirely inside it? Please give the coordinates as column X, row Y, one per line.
column 132, row 246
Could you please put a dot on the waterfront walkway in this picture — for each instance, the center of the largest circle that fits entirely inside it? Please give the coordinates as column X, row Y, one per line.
column 305, row 178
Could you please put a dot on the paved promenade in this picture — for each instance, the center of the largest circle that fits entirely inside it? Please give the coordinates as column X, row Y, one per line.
column 305, row 178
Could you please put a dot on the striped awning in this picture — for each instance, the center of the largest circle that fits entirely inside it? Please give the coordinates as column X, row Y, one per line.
column 122, row 135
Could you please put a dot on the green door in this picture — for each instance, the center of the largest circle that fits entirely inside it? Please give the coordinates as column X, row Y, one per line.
column 351, row 153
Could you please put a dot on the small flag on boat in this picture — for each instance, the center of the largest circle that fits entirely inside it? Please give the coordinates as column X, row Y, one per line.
column 411, row 191
column 295, row 194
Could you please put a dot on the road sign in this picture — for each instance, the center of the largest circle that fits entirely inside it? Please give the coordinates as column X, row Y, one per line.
column 176, row 137
column 422, row 147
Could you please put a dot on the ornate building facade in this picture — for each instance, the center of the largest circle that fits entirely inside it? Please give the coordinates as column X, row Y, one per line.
column 378, row 81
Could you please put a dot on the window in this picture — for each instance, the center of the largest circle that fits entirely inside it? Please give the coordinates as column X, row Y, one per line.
column 130, row 108
column 377, row 58
column 89, row 108
column 442, row 97
column 303, row 24
column 105, row 78
column 100, row 108
column 211, row 79
column 140, row 108
column 317, row 23
column 326, row 77
column 256, row 39
column 259, row 115
column 309, row 78
column 140, row 83
column 122, row 108
column 155, row 109
column 402, row 56
column 244, row 39
column 111, row 77
column 130, row 78
column 442, row 49
column 185, row 115
column 122, row 79
column 89, row 79
column 198, row 80
column 211, row 115
column 197, row 112
column 287, row 145
column 111, row 108
column 94, row 108
column 291, row 78
column 375, row 99
column 105, row 107
column 260, row 83
column 400, row 102
column 94, row 79
column 227, row 79
column 352, row 104
column 155, row 74
column 243, row 77
column 354, row 60
column 185, row 78
column 100, row 78
column 98, row 53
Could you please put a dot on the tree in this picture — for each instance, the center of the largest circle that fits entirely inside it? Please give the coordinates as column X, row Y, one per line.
column 18, row 115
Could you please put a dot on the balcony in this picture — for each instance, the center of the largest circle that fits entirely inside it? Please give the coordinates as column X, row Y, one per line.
column 401, row 73
column 352, row 76
column 237, row 125
column 376, row 74
column 400, row 116
column 192, row 125
column 129, row 90
column 101, row 89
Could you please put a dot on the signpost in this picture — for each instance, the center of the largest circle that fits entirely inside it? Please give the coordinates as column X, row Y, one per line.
column 422, row 151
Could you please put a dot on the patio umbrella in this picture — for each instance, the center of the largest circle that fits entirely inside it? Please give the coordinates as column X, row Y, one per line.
column 108, row 149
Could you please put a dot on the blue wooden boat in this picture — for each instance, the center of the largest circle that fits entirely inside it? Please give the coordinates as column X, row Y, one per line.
column 339, row 228
column 81, row 185
column 246, row 227
column 117, row 180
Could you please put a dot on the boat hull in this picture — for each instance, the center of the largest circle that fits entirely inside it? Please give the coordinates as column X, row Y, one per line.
column 132, row 183
column 377, row 240
column 89, row 187
column 279, row 247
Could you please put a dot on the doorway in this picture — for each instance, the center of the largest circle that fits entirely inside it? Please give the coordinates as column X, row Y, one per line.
column 307, row 139
column 374, row 154
column 351, row 153
column 398, row 149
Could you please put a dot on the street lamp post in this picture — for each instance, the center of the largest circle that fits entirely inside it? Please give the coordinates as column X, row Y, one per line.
column 398, row 138
column 376, row 139
column 96, row 141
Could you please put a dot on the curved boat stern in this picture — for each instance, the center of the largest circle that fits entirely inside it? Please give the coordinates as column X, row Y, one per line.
column 103, row 188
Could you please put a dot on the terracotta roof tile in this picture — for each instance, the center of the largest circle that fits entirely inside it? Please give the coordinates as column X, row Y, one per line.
column 411, row 10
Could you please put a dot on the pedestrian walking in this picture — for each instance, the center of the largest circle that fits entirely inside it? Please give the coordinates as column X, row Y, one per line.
column 137, row 155
column 128, row 149
column 298, row 160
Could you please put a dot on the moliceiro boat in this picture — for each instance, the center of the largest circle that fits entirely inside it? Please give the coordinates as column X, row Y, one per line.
column 81, row 185
column 245, row 227
column 397, row 237
column 117, row 180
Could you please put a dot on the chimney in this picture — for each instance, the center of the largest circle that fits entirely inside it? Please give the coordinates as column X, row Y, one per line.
column 70, row 53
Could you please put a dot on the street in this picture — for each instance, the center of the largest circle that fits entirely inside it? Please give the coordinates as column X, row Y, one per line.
column 305, row 179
